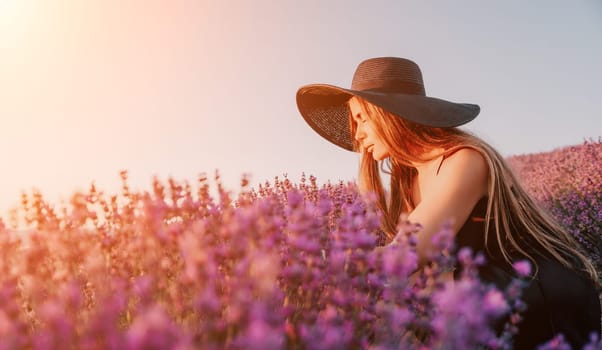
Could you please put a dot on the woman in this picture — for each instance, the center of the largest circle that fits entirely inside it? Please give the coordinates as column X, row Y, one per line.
column 441, row 173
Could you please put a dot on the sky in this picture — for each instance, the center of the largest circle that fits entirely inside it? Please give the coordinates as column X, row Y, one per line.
column 180, row 87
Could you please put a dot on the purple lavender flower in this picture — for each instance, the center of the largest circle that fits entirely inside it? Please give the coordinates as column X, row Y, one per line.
column 495, row 303
column 522, row 267
column 556, row 343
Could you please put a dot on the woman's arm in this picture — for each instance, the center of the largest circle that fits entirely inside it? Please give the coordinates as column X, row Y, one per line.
column 450, row 197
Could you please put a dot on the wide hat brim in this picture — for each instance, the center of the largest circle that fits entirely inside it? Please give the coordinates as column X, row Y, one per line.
column 324, row 108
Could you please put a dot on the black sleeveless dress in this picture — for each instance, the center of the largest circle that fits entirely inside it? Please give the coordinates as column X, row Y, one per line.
column 559, row 300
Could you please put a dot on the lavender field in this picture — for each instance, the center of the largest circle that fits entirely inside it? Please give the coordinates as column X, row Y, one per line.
column 568, row 182
column 281, row 266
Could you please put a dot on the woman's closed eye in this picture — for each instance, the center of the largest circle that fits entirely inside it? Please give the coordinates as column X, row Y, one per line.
column 359, row 118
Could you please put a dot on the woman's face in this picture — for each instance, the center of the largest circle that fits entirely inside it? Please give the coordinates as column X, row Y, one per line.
column 365, row 133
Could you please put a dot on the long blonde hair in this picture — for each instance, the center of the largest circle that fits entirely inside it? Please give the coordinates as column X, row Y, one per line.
column 509, row 206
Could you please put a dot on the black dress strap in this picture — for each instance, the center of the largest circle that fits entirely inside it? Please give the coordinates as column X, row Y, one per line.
column 442, row 158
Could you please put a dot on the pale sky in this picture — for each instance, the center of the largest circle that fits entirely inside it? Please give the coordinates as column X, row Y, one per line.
column 179, row 87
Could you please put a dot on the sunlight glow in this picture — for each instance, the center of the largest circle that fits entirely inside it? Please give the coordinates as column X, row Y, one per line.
column 13, row 20
column 8, row 8
column 7, row 4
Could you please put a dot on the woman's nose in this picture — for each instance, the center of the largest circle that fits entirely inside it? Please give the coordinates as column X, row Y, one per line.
column 359, row 133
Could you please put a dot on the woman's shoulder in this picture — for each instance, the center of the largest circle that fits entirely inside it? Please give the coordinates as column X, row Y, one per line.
column 463, row 161
column 464, row 172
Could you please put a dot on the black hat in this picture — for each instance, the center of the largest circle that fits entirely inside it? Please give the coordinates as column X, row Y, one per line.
column 392, row 83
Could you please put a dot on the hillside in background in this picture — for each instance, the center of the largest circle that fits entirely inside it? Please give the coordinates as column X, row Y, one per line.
column 572, row 168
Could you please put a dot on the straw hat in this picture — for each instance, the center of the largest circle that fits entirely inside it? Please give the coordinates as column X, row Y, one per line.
column 392, row 83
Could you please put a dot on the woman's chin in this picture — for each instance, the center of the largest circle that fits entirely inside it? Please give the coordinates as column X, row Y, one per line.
column 379, row 157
